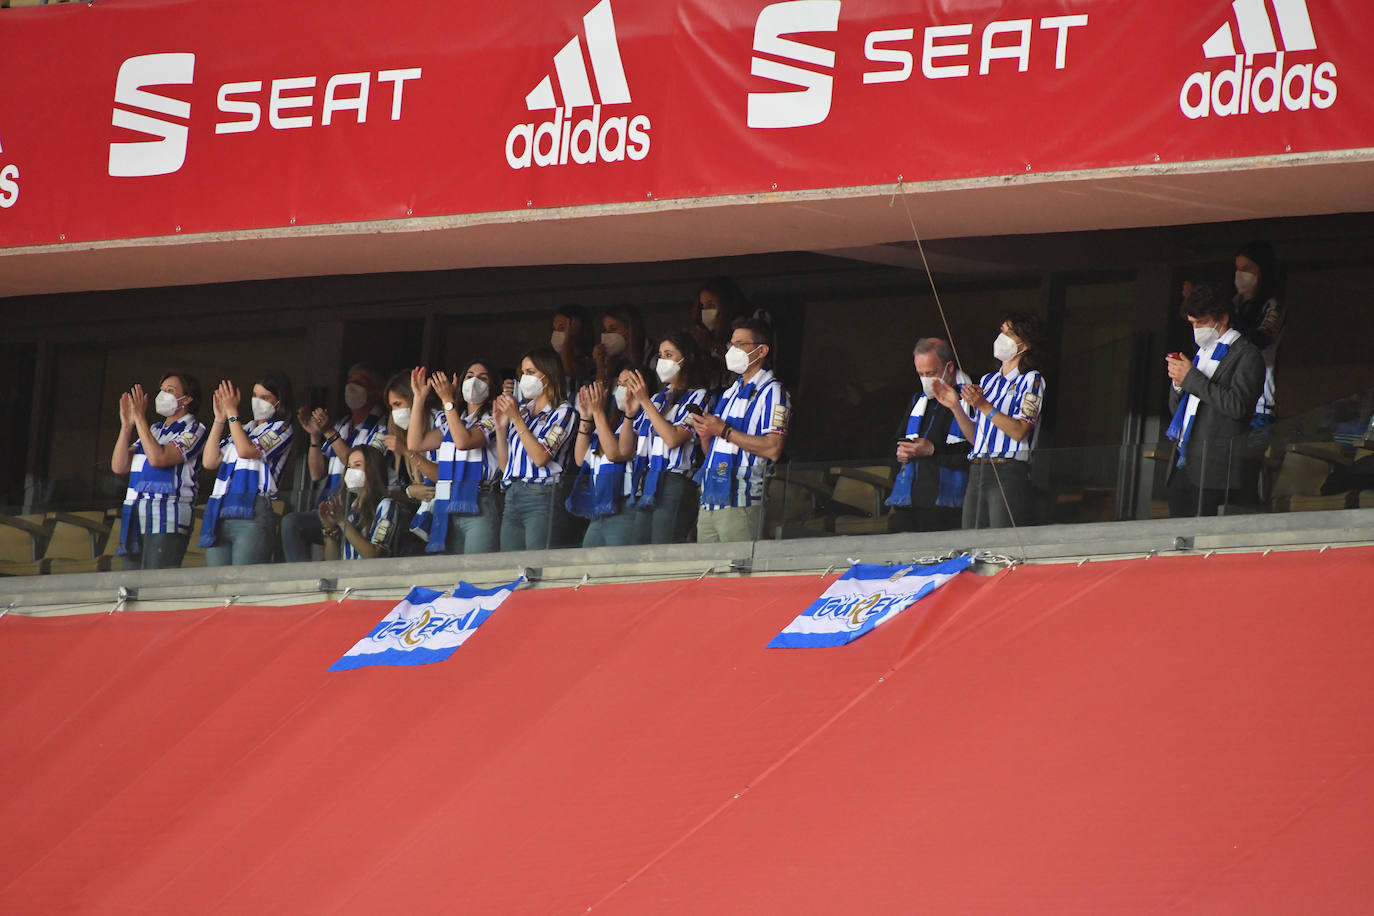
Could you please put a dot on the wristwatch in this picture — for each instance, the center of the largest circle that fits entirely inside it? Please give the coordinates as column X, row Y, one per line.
column 228, row 420
column 448, row 405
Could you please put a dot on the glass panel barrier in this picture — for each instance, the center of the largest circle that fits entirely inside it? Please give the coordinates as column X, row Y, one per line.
column 1322, row 459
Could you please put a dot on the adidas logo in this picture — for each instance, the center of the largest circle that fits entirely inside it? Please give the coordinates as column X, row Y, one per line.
column 1244, row 89
column 561, row 140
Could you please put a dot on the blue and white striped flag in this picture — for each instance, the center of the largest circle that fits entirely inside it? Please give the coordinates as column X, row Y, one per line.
column 427, row 626
column 863, row 598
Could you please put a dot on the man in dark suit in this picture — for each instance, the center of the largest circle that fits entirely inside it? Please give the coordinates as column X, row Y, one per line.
column 1213, row 398
column 932, row 453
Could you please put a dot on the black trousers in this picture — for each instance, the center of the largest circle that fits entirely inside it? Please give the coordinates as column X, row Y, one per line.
column 1187, row 500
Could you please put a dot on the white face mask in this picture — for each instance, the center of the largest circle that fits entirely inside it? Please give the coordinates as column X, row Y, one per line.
column 355, row 478
column 556, row 340
column 667, row 369
column 928, row 386
column 1003, row 348
column 1246, row 282
column 620, row 393
column 737, row 361
column 1205, row 337
column 531, row 387
column 475, row 390
column 165, row 403
column 613, row 342
column 263, row 410
column 708, row 317
column 401, row 417
column 355, row 395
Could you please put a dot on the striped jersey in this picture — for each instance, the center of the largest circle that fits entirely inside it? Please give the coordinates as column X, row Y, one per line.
column 370, row 432
column 551, row 427
column 757, row 407
column 273, row 438
column 162, row 498
column 650, row 444
column 383, row 525
column 1021, row 397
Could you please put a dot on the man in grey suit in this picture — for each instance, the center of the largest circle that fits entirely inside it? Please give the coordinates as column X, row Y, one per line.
column 1213, row 398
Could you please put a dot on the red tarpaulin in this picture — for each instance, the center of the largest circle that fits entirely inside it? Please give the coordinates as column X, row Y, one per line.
column 1191, row 735
column 133, row 118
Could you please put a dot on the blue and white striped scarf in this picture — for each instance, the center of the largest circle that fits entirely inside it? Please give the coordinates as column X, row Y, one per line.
column 953, row 483
column 600, row 485
column 457, row 491
column 651, row 451
column 1206, row 362
column 720, row 484
column 143, row 478
column 236, row 488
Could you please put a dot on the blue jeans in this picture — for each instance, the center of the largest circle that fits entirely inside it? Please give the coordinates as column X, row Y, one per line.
column 611, row 530
column 160, row 551
column 671, row 520
column 244, row 541
column 479, row 533
column 298, row 531
column 525, row 523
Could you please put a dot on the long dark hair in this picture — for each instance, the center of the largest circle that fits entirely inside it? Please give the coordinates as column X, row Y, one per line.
column 734, row 305
column 694, row 372
column 279, row 383
column 1031, row 332
column 493, row 385
column 374, row 488
column 1262, row 253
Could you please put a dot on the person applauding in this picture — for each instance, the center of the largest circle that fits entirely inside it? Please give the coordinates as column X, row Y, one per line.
column 1007, row 404
column 363, row 424
column 237, row 529
column 598, row 494
column 162, row 463
column 664, row 442
column 359, row 520
column 531, row 434
column 466, row 519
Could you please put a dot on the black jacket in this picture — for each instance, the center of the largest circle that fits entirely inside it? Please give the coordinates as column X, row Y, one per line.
column 925, row 482
column 1216, row 446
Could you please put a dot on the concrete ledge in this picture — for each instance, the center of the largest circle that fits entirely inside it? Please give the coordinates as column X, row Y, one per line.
column 291, row 583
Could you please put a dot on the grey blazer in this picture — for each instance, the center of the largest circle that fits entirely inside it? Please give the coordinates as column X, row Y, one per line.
column 1216, row 446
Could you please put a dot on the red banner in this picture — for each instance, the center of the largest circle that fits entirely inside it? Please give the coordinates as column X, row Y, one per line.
column 149, row 118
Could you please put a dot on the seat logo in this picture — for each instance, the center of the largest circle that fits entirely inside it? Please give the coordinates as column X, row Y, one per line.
column 809, row 104
column 167, row 153
column 1283, row 80
column 944, row 50
column 560, row 140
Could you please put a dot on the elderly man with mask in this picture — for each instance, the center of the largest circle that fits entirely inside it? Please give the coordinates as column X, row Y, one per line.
column 932, row 453
column 1213, row 399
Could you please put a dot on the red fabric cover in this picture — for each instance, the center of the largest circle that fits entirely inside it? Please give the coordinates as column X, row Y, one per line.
column 1128, row 86
column 1138, row 736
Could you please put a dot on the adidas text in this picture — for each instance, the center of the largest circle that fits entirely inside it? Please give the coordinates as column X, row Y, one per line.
column 1246, row 88
column 562, row 140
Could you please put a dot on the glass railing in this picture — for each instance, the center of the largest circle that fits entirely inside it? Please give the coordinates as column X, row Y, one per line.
column 1320, row 460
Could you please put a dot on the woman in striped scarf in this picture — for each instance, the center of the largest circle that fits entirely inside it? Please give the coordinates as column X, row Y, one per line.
column 463, row 517
column 239, row 521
